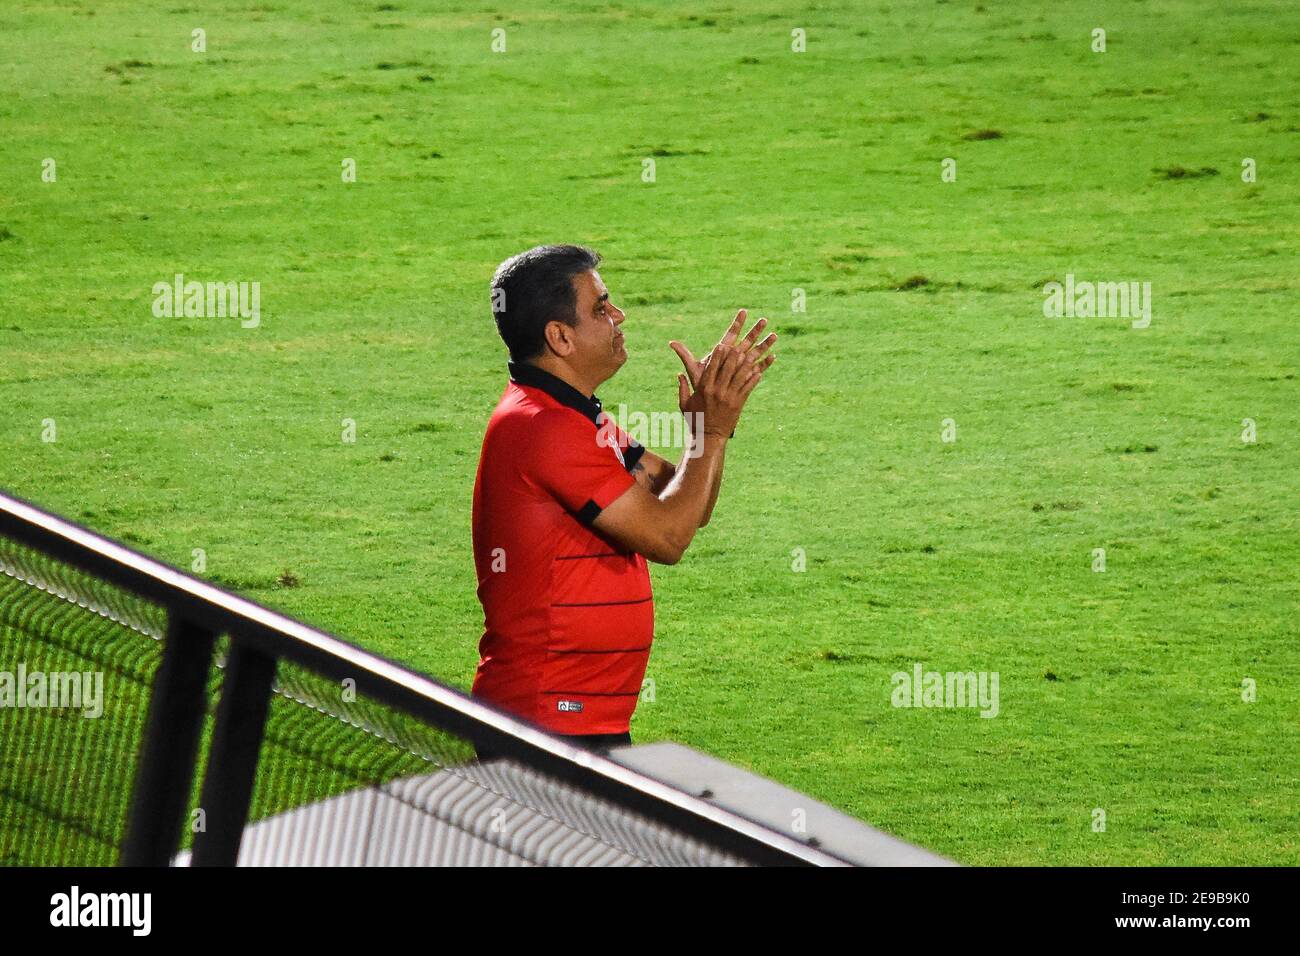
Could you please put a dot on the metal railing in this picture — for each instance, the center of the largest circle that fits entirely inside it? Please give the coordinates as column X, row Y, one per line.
column 199, row 613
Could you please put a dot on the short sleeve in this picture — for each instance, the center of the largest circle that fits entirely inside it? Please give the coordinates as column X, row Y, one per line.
column 574, row 463
column 631, row 448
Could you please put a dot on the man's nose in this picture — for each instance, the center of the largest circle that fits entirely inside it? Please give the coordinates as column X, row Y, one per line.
column 618, row 315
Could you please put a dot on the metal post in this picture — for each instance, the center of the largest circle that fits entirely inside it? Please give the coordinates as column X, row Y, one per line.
column 232, row 762
column 165, row 774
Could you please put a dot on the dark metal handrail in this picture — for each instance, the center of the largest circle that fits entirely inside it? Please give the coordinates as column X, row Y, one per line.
column 198, row 612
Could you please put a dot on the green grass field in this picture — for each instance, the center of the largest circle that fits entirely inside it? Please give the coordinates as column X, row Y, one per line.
column 774, row 170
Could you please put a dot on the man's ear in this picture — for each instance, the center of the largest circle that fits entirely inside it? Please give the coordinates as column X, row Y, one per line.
column 560, row 338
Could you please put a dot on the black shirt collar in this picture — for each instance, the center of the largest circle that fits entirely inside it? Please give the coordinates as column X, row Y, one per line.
column 524, row 373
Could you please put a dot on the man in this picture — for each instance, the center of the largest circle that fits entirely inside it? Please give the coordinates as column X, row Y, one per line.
column 564, row 519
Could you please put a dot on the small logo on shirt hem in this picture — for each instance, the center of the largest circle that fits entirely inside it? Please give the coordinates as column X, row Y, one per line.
column 569, row 706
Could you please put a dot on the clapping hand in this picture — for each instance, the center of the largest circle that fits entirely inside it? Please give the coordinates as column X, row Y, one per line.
column 755, row 357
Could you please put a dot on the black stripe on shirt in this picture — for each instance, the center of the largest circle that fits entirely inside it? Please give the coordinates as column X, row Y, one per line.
column 588, row 512
column 603, row 603
column 621, row 650
column 633, row 453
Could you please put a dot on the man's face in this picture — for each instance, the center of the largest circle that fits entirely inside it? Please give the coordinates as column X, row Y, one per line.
column 600, row 341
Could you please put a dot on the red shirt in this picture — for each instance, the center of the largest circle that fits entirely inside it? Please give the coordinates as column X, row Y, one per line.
column 568, row 614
